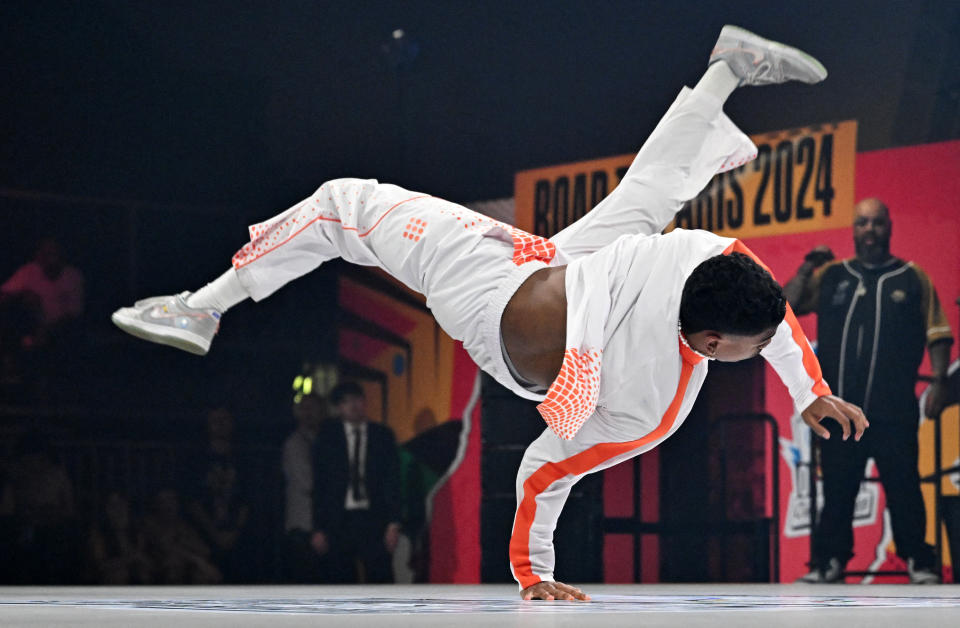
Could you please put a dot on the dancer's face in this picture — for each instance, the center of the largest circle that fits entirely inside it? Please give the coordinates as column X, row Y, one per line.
column 730, row 347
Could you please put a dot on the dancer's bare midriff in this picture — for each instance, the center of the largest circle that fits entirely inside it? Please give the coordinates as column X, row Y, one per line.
column 534, row 326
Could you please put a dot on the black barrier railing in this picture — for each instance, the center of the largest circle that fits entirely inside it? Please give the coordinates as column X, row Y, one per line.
column 936, row 478
column 764, row 530
column 773, row 520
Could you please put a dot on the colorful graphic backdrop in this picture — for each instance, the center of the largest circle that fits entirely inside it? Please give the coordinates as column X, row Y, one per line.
column 798, row 194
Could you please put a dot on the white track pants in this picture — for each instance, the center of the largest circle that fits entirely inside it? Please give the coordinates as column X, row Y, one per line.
column 692, row 142
column 467, row 265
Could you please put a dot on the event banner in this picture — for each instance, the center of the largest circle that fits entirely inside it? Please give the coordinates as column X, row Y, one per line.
column 801, row 180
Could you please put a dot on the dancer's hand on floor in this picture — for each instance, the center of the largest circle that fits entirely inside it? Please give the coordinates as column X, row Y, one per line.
column 553, row 591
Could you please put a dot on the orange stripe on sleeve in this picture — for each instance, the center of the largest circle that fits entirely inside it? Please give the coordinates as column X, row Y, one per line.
column 810, row 363
column 541, row 479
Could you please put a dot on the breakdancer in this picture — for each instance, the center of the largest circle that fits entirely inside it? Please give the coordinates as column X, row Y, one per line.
column 610, row 324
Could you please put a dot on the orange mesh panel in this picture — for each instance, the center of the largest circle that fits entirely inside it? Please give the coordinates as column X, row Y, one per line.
column 528, row 247
column 572, row 397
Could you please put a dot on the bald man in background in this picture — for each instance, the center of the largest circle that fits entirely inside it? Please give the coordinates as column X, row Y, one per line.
column 875, row 314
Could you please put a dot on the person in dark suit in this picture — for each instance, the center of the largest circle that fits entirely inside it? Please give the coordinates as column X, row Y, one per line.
column 876, row 314
column 356, row 492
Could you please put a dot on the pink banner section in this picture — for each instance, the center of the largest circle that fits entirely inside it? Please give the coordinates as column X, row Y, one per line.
column 455, row 525
column 921, row 186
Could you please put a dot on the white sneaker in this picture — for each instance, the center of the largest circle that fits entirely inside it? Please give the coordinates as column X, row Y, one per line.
column 758, row 61
column 832, row 573
column 170, row 321
column 921, row 575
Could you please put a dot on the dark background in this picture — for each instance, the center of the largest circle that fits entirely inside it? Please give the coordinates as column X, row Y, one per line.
column 163, row 129
column 252, row 104
column 145, row 136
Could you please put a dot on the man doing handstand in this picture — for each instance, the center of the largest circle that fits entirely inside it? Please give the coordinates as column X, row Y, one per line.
column 609, row 324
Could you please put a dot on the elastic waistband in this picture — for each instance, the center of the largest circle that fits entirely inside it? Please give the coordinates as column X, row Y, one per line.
column 491, row 327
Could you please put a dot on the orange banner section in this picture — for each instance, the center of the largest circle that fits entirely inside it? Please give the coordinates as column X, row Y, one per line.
column 801, row 180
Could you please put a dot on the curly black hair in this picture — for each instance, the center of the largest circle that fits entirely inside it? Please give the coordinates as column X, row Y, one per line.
column 731, row 294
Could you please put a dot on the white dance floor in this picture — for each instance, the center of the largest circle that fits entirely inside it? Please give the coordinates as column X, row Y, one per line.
column 461, row 606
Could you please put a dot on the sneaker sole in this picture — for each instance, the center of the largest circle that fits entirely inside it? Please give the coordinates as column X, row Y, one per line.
column 932, row 579
column 809, row 61
column 183, row 340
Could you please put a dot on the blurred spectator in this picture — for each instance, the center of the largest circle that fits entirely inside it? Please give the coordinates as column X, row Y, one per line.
column 176, row 549
column 302, row 563
column 116, row 549
column 356, row 492
column 46, row 294
column 40, row 305
column 37, row 506
column 217, row 504
column 875, row 315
